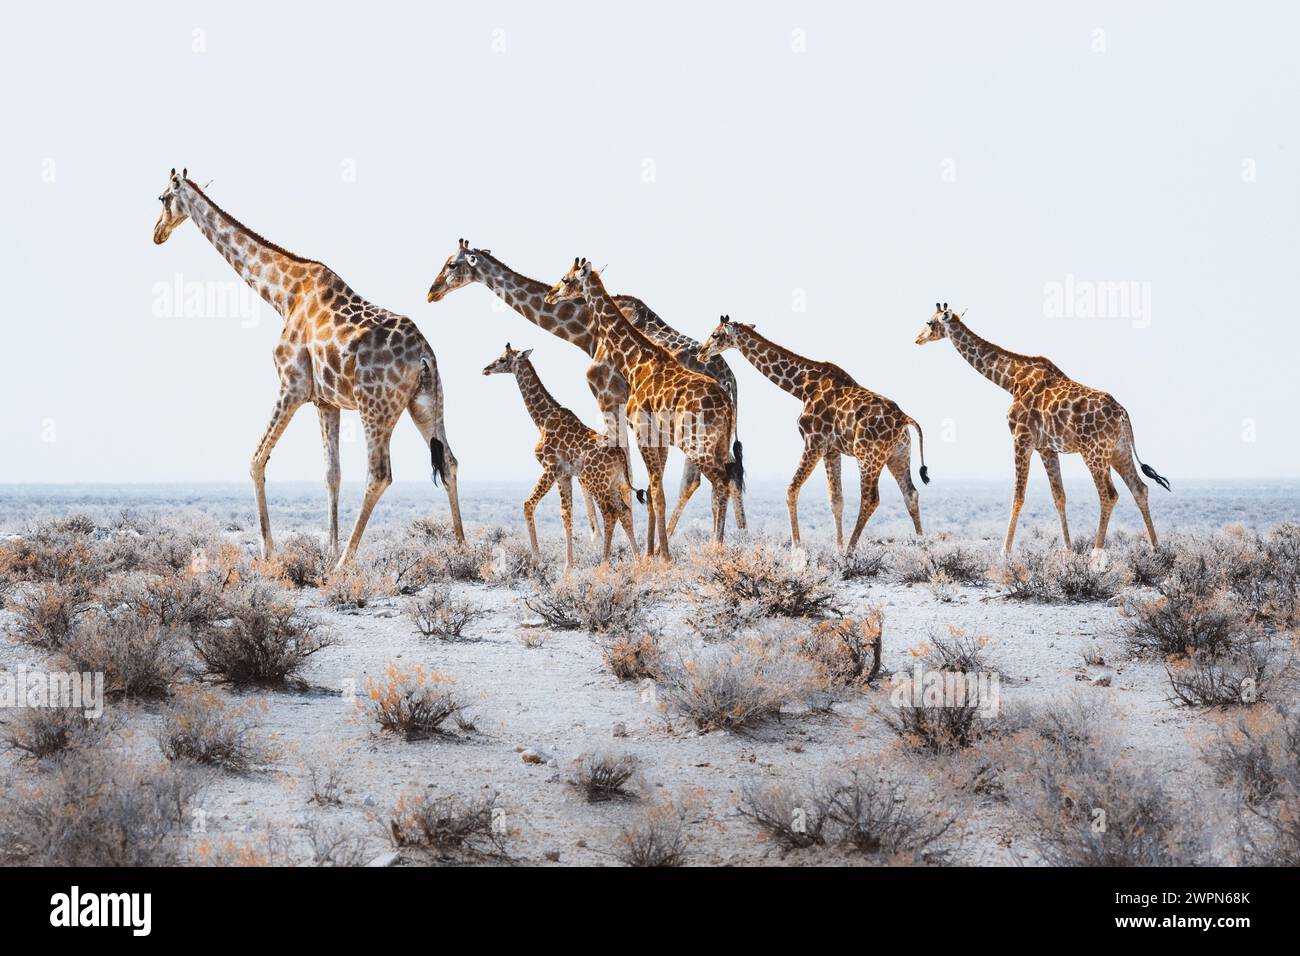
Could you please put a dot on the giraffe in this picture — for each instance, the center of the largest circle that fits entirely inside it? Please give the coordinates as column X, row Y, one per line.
column 570, row 449
column 1052, row 414
column 668, row 404
column 572, row 321
column 840, row 417
column 336, row 351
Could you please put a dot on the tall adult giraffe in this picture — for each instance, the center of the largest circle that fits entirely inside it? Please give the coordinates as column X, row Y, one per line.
column 1052, row 414
column 840, row 417
column 336, row 350
column 572, row 321
column 668, row 404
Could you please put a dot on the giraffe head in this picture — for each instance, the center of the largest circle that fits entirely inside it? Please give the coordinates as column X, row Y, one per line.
column 936, row 326
column 723, row 337
column 573, row 285
column 461, row 268
column 172, row 215
column 508, row 362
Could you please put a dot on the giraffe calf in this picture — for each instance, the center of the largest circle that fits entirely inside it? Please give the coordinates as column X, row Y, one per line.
column 568, row 449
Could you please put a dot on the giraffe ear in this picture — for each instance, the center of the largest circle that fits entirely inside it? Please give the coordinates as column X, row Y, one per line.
column 486, row 252
column 525, row 353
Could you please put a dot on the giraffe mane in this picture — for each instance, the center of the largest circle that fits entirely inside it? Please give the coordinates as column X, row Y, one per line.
column 1040, row 360
column 253, row 233
column 791, row 353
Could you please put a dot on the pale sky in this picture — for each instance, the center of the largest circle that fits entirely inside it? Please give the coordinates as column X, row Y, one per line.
column 824, row 171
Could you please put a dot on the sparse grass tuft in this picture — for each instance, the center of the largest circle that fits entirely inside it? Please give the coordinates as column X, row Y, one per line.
column 602, row 601
column 450, row 826
column 197, row 726
column 603, row 776
column 435, row 613
column 414, row 703
column 657, row 839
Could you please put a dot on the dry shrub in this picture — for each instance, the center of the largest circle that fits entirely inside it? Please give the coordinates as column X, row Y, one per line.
column 1147, row 565
column 436, row 613
column 533, row 638
column 512, row 562
column 859, row 812
column 337, row 845
column 867, row 561
column 353, row 588
column 325, row 778
column 632, row 657
column 99, row 810
column 451, row 827
column 1190, row 613
column 1246, row 674
column 738, row 588
column 140, row 658
column 198, row 726
column 739, row 683
column 429, row 553
column 601, row 601
column 926, row 561
column 1258, row 756
column 415, row 703
column 171, row 600
column 940, row 728
column 302, row 560
column 263, row 640
column 958, row 652
column 1061, row 576
column 603, row 776
column 63, row 550
column 846, row 650
column 1257, row 753
column 656, row 839
column 40, row 732
column 169, row 545
column 46, row 613
column 1080, row 803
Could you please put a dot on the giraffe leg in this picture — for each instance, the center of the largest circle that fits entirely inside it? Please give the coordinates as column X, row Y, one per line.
column 655, row 458
column 1123, row 462
column 869, row 473
column 721, row 487
column 900, row 466
column 811, row 455
column 288, row 403
column 835, row 484
column 566, row 513
column 1023, row 451
column 530, row 506
column 690, row 484
column 591, row 510
column 379, row 434
column 609, row 512
column 1099, row 465
column 426, row 412
column 1052, row 465
column 329, row 433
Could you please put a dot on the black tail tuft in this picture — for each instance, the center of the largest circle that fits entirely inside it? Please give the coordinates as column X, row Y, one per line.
column 925, row 475
column 1162, row 481
column 640, row 495
column 436, row 456
column 736, row 468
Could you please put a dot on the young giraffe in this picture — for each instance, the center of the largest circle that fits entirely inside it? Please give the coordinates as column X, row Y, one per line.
column 840, row 417
column 572, row 321
column 1052, row 414
column 569, row 449
column 667, row 403
column 336, row 350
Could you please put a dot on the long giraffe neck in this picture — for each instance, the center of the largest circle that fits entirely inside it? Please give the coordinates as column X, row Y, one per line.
column 272, row 272
column 996, row 364
column 619, row 340
column 528, row 297
column 790, row 371
column 539, row 402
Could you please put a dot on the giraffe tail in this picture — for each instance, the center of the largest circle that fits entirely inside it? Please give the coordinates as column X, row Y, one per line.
column 736, row 467
column 1147, row 470
column 920, row 438
column 438, row 457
